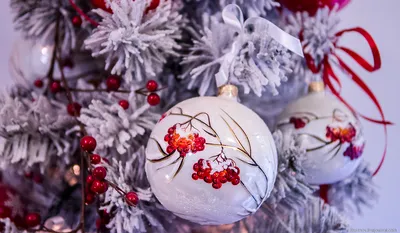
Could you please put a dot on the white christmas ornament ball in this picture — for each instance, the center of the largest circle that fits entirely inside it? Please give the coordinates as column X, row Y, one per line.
column 329, row 132
column 211, row 160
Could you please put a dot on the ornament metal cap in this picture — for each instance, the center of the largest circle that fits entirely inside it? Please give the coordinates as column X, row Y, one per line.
column 228, row 91
column 316, row 86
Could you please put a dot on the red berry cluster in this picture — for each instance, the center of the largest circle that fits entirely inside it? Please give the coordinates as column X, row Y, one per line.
column 218, row 178
column 342, row 134
column 297, row 122
column 153, row 98
column 193, row 143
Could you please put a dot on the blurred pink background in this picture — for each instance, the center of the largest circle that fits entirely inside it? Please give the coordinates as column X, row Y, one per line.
column 382, row 20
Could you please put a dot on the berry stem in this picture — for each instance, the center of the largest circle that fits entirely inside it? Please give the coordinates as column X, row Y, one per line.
column 81, row 13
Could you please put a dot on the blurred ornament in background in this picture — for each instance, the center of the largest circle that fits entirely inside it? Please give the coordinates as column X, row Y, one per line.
column 329, row 132
column 30, row 61
column 211, row 160
column 311, row 6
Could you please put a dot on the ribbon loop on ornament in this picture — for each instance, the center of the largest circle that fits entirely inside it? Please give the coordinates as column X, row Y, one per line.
column 233, row 17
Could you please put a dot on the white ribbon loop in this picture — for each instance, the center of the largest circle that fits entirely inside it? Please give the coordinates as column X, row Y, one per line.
column 233, row 16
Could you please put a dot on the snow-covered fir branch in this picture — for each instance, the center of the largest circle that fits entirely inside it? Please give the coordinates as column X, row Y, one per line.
column 38, row 20
column 33, row 130
column 253, row 8
column 211, row 42
column 354, row 192
column 115, row 127
column 9, row 226
column 318, row 35
column 136, row 42
column 261, row 62
column 148, row 215
column 290, row 192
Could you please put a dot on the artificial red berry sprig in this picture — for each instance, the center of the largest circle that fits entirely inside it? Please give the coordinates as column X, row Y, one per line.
column 150, row 91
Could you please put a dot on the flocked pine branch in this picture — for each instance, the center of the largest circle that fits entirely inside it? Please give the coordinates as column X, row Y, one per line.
column 211, row 42
column 261, row 62
column 33, row 130
column 115, row 127
column 354, row 192
column 134, row 42
column 38, row 19
column 9, row 226
column 317, row 34
column 291, row 192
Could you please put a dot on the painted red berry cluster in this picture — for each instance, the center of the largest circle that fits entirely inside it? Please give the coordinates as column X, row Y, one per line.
column 353, row 151
column 203, row 171
column 297, row 122
column 192, row 143
column 346, row 134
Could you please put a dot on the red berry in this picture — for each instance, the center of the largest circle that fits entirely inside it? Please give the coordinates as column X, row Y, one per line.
column 74, row 109
column 207, row 170
column 132, row 198
column 235, row 181
column 229, row 177
column 99, row 173
column 5, row 212
column 88, row 143
column 89, row 198
column 77, row 21
column 89, row 179
column 208, row 179
column 124, row 104
column 99, row 223
column 222, row 179
column 215, row 175
column 171, row 130
column 200, row 162
column 55, row 86
column 215, row 180
column 182, row 154
column 167, row 138
column 201, row 174
column 38, row 83
column 200, row 147
column 196, row 167
column 95, row 159
column 28, row 174
column 153, row 5
column 99, row 187
column 152, row 85
column 195, row 176
column 153, row 99
column 217, row 185
column 32, row 220
column 37, row 179
column 113, row 83
column 170, row 149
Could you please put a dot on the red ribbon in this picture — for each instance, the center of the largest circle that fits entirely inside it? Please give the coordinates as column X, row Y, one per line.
column 329, row 77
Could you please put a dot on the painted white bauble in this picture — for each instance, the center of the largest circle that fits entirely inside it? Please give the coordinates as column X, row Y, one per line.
column 329, row 132
column 211, row 160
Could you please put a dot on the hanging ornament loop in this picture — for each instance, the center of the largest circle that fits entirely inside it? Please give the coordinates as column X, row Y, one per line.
column 329, row 76
column 233, row 16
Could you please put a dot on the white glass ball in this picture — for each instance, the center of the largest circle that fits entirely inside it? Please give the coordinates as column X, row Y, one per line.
column 211, row 160
column 329, row 132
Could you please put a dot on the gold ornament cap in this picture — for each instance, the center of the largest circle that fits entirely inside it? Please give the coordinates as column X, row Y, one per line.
column 316, row 86
column 228, row 91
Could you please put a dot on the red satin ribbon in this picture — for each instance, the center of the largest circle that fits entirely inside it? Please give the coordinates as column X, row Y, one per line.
column 329, row 77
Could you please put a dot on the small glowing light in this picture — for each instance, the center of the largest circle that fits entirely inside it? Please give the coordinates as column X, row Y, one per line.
column 76, row 169
column 45, row 50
